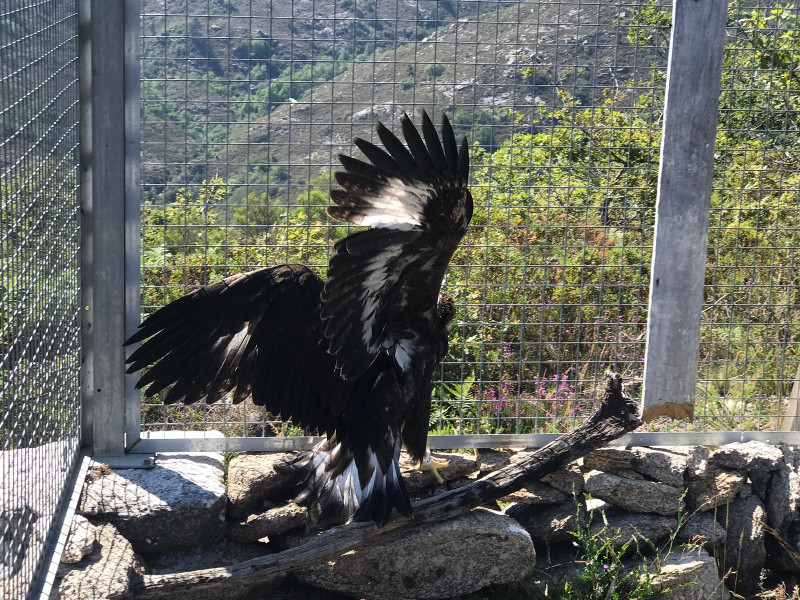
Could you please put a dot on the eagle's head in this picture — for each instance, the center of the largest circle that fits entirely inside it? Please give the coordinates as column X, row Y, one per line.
column 446, row 308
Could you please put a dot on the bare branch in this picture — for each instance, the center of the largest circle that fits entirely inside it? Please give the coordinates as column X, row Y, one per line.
column 616, row 416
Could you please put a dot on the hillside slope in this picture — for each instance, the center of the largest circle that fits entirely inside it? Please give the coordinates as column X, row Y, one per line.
column 476, row 69
column 210, row 65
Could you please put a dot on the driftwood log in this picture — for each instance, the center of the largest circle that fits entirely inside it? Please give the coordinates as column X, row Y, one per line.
column 615, row 417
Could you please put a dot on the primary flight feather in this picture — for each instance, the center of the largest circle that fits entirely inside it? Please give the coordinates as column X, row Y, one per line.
column 352, row 357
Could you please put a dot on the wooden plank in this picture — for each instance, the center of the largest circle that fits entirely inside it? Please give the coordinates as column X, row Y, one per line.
column 682, row 207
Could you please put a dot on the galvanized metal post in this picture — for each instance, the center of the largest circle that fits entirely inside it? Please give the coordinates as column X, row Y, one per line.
column 110, row 202
column 682, row 207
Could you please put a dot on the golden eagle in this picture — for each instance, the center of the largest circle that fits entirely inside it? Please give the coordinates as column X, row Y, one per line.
column 352, row 357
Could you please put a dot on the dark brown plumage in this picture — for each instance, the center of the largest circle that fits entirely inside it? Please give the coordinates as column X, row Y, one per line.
column 352, row 357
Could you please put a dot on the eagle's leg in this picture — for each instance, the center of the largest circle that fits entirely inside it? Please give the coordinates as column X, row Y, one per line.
column 428, row 463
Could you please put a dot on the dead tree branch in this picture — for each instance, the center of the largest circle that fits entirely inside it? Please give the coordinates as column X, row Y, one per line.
column 615, row 417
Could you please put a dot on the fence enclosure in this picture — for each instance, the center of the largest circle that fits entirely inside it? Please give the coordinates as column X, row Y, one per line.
column 208, row 133
column 39, row 280
column 244, row 112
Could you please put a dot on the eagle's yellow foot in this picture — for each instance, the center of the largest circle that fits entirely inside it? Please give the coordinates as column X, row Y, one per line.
column 428, row 463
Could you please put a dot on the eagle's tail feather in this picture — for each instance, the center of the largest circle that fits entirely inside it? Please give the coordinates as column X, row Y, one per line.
column 336, row 486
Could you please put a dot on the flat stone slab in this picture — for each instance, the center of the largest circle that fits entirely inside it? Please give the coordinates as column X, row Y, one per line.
column 746, row 456
column 663, row 464
column 221, row 554
column 694, row 567
column 537, row 493
column 105, row 573
column 568, row 480
column 609, row 459
column 178, row 504
column 634, row 495
column 623, row 527
column 437, row 560
column 272, row 522
column 490, row 459
column 552, row 524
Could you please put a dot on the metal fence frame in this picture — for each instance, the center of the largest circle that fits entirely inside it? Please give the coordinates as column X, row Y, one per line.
column 119, row 410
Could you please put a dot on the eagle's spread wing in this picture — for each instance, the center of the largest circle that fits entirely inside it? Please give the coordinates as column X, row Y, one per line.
column 383, row 284
column 257, row 332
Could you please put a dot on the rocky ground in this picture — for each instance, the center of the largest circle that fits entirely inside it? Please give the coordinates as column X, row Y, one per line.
column 195, row 511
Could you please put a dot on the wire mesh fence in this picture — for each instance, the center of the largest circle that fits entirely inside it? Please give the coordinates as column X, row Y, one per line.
column 246, row 104
column 39, row 347
column 750, row 344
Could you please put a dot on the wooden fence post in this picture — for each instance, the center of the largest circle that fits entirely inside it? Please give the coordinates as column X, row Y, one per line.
column 682, row 207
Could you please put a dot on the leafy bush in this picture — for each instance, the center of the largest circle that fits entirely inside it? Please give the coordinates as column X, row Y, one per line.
column 552, row 279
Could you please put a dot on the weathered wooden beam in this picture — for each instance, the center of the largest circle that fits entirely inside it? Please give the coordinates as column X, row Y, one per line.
column 682, row 207
column 616, row 416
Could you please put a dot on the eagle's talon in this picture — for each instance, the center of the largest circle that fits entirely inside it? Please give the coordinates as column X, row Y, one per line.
column 428, row 463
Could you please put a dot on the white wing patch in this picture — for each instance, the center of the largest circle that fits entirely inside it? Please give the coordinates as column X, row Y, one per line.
column 399, row 205
column 402, row 354
column 351, row 489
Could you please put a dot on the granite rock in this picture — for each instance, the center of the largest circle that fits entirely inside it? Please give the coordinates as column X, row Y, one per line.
column 179, row 503
column 220, row 554
column 106, row 573
column 252, row 478
column 568, row 480
column 609, row 459
column 552, row 524
column 272, row 522
column 746, row 456
column 716, row 488
column 704, row 530
column 537, row 492
column 489, row 459
column 80, row 540
column 759, row 481
column 634, row 495
column 696, row 568
column 783, row 510
column 662, row 464
column 624, row 526
column 436, row 560
column 666, row 465
column 745, row 551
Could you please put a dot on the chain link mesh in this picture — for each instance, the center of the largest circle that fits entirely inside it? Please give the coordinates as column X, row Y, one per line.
column 39, row 258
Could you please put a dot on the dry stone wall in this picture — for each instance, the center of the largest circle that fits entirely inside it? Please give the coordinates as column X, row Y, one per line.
column 188, row 514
